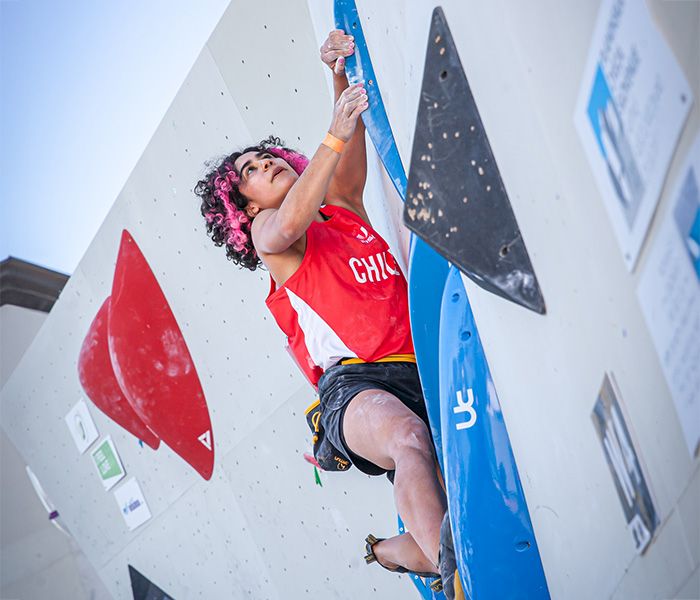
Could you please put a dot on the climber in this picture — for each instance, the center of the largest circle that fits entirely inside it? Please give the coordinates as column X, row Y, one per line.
column 339, row 295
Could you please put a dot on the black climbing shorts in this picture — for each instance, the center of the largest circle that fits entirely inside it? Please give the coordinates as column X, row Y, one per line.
column 341, row 383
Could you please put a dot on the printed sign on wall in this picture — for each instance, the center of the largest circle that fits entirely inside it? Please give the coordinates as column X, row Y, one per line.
column 132, row 504
column 624, row 465
column 81, row 426
column 107, row 463
column 633, row 102
column 669, row 294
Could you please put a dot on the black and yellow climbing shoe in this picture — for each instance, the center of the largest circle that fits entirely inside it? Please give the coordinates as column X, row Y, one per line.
column 370, row 557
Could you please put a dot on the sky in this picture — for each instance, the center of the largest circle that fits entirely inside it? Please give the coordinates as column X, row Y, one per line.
column 84, row 85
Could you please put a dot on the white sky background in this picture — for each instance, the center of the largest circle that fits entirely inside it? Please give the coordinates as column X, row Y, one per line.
column 83, row 86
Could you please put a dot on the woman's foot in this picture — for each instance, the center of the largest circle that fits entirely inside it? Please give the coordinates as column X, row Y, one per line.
column 402, row 551
column 448, row 563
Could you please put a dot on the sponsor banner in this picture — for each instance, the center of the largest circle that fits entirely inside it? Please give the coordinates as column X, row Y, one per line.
column 631, row 108
column 132, row 504
column 81, row 426
column 624, row 465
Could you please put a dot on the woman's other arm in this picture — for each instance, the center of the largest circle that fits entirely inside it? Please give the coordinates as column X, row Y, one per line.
column 348, row 181
column 275, row 230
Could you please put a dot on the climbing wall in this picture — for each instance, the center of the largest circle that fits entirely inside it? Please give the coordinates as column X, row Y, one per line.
column 524, row 65
column 261, row 527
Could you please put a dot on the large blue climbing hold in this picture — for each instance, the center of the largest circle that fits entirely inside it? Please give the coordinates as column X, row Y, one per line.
column 425, row 290
column 359, row 68
column 424, row 301
column 494, row 542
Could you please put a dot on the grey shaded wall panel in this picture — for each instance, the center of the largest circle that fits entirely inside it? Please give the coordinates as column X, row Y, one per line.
column 524, row 64
column 311, row 537
column 200, row 547
column 690, row 515
column 691, row 587
column 18, row 327
column 255, row 393
column 40, row 392
column 268, row 56
column 657, row 574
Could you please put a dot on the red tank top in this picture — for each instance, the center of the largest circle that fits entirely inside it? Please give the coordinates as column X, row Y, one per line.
column 348, row 298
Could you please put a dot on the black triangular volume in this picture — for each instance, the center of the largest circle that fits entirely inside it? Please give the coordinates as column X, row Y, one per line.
column 143, row 589
column 456, row 200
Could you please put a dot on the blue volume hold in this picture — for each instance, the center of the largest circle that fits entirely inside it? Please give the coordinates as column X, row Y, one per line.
column 494, row 542
column 424, row 301
column 358, row 67
column 425, row 290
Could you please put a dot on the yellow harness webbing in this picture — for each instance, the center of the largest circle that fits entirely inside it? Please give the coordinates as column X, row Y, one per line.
column 390, row 358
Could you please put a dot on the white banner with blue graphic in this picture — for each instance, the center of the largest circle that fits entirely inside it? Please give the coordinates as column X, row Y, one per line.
column 633, row 102
column 669, row 294
column 132, row 504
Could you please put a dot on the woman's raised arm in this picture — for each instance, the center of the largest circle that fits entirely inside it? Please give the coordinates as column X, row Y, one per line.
column 348, row 181
column 275, row 230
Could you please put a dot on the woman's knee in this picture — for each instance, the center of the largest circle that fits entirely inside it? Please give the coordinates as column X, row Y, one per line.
column 409, row 435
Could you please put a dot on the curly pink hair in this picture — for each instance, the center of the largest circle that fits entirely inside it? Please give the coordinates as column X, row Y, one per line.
column 223, row 206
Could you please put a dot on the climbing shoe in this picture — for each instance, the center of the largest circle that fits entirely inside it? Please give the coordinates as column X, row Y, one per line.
column 370, row 557
column 446, row 558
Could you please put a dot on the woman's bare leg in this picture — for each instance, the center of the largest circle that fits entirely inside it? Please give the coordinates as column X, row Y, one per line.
column 403, row 550
column 378, row 427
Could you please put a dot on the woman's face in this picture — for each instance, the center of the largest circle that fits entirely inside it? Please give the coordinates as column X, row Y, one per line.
column 264, row 180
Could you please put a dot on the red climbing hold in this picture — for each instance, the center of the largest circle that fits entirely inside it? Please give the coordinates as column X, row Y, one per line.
column 152, row 362
column 97, row 378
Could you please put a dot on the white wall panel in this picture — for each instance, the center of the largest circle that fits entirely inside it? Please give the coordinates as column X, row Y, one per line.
column 268, row 56
column 200, row 547
column 691, row 588
column 204, row 539
column 261, row 528
column 18, row 327
column 524, row 64
column 311, row 537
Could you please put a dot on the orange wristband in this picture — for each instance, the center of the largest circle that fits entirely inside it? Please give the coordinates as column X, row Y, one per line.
column 333, row 143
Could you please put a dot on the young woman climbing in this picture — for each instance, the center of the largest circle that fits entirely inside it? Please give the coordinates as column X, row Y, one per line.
column 341, row 298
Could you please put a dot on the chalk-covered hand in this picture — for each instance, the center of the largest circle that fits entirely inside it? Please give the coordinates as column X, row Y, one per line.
column 334, row 50
column 351, row 103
